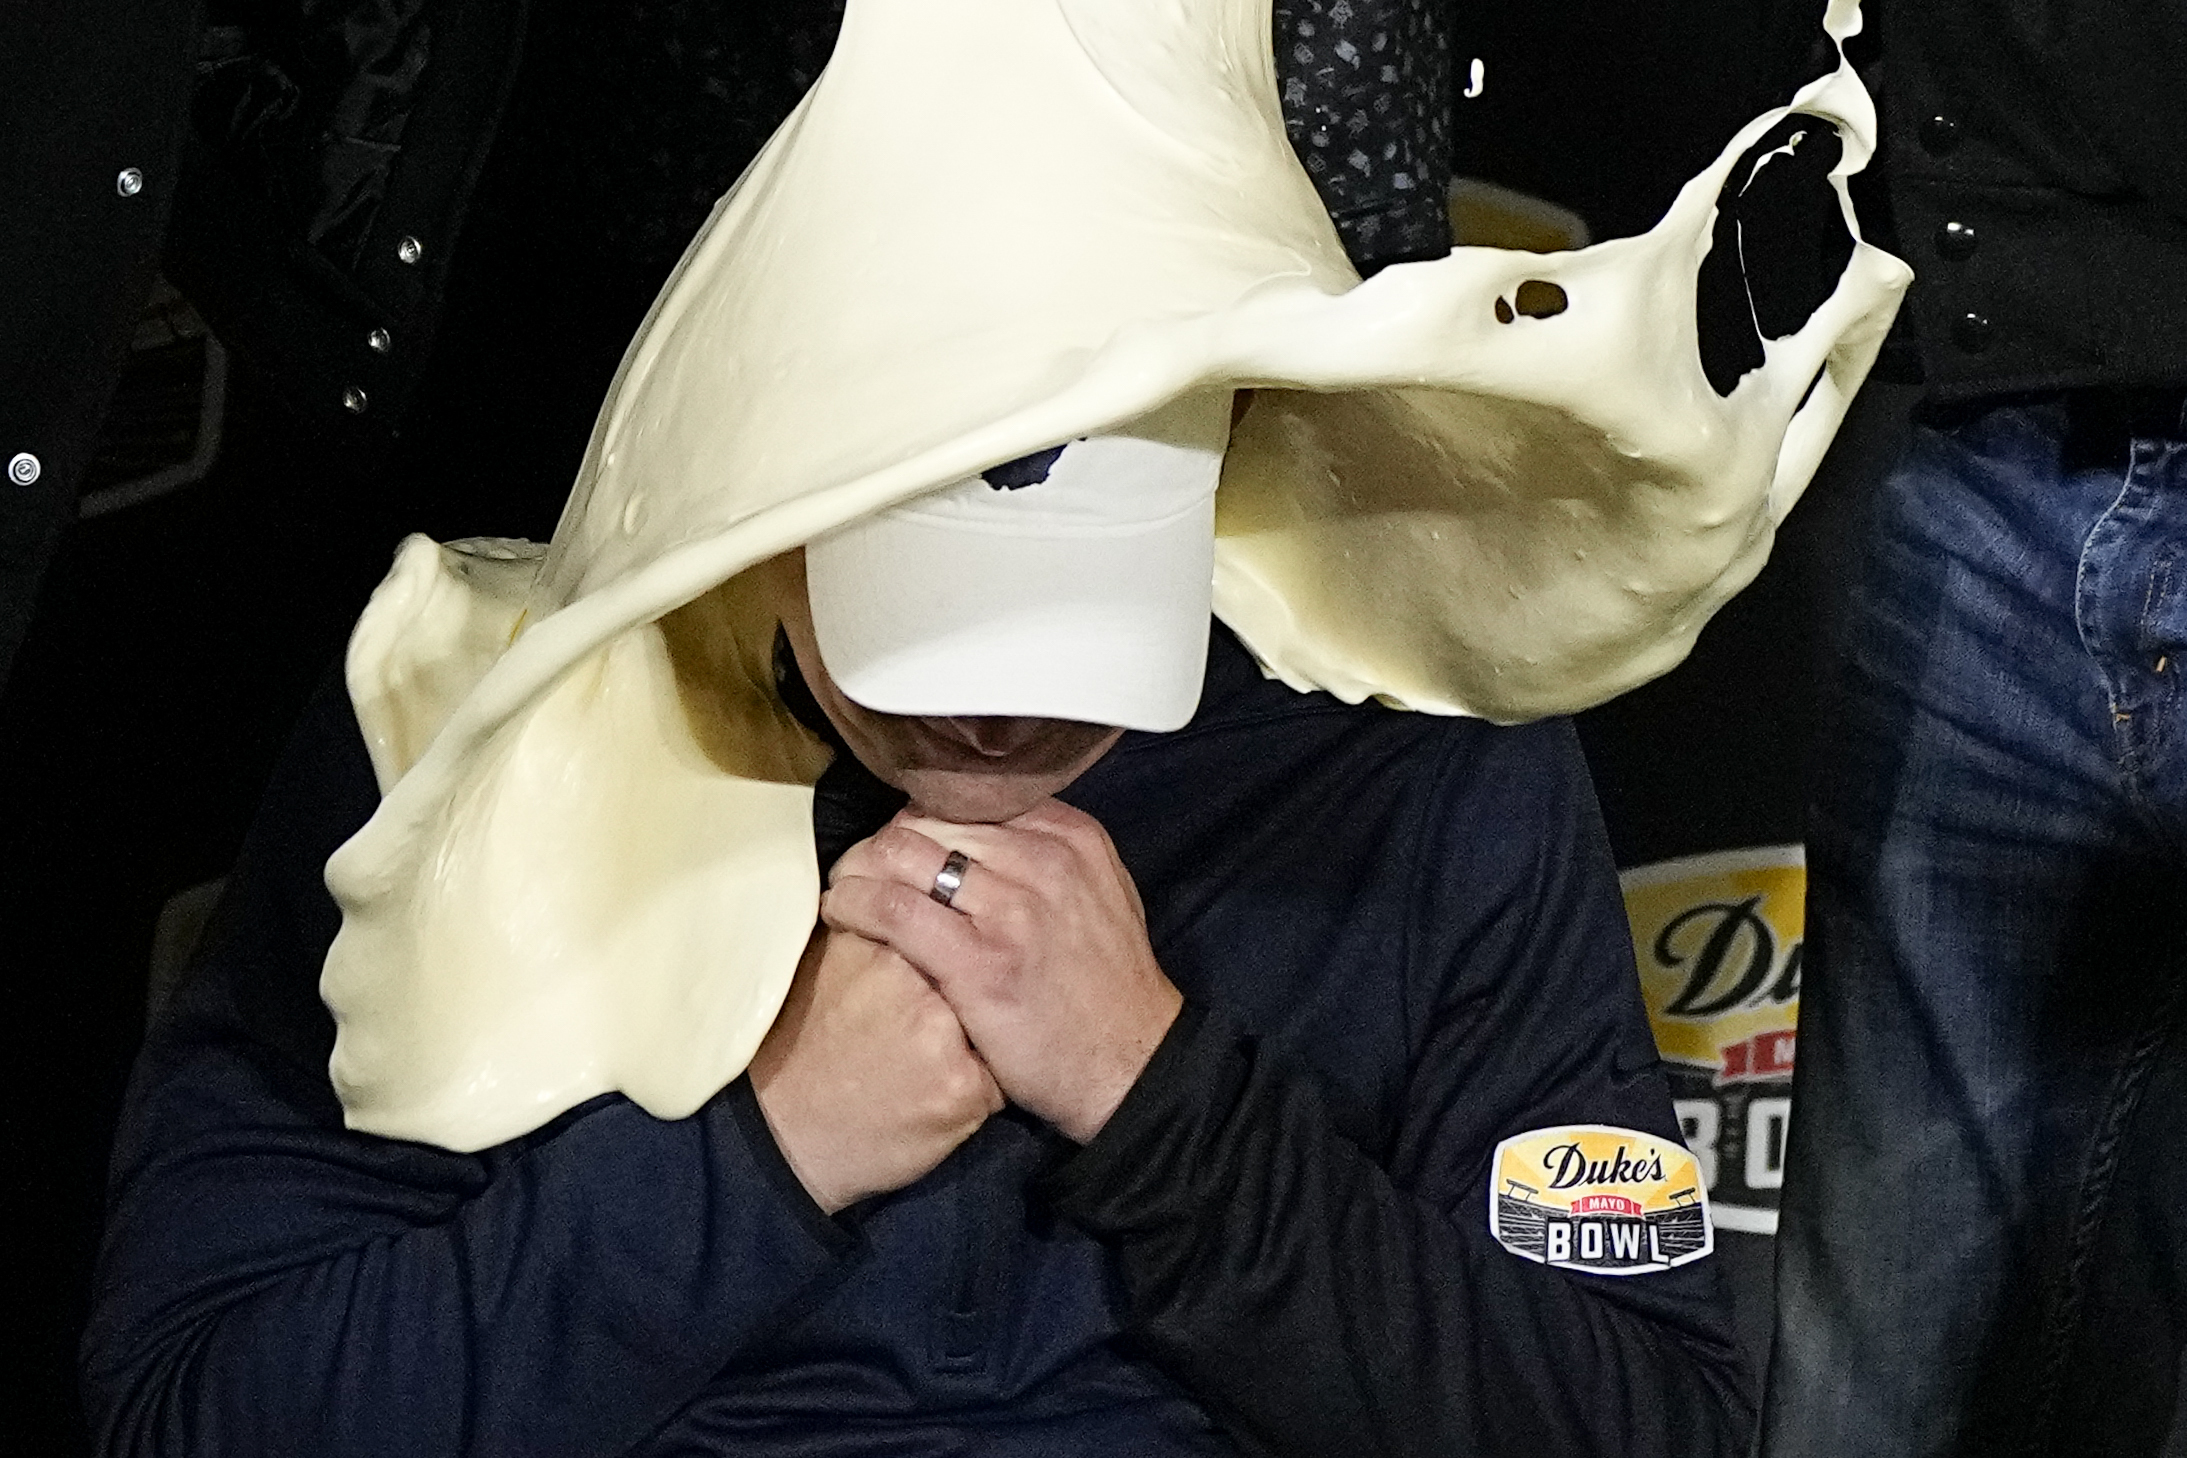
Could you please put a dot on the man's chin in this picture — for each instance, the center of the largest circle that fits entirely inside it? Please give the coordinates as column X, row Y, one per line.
column 971, row 798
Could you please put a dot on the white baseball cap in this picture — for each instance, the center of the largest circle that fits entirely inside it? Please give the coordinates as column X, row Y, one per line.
column 1074, row 583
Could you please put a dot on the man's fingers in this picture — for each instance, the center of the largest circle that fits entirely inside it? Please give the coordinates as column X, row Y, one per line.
column 1046, row 847
column 980, row 842
column 910, row 857
column 925, row 933
column 1028, row 851
column 1049, row 826
column 893, row 853
column 1054, row 817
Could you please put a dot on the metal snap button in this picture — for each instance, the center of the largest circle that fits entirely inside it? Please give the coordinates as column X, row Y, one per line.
column 1955, row 241
column 354, row 400
column 1972, row 333
column 129, row 181
column 24, row 469
column 379, row 341
column 409, row 250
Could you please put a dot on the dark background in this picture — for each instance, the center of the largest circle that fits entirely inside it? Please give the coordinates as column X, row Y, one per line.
column 177, row 639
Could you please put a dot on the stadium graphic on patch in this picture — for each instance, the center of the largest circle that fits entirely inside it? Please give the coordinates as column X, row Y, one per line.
column 1718, row 939
column 1608, row 1201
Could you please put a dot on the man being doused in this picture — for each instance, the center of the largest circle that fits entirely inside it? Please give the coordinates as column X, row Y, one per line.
column 843, row 953
column 1184, row 1065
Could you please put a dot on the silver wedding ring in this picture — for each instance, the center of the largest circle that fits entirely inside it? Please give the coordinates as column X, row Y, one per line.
column 950, row 878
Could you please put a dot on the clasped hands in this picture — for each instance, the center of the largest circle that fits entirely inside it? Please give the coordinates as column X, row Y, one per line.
column 911, row 1022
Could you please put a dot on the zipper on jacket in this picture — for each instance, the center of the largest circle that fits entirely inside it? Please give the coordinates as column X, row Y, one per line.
column 974, row 1287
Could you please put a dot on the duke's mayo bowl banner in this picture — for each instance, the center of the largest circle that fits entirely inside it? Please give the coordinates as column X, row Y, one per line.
column 1718, row 940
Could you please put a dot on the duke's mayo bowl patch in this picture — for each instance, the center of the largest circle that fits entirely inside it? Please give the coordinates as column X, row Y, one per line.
column 1588, row 1197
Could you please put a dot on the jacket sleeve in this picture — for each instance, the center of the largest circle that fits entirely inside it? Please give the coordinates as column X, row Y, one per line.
column 1323, row 1298
column 271, row 1283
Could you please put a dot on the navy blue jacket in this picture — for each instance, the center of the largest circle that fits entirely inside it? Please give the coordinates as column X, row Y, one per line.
column 1401, row 941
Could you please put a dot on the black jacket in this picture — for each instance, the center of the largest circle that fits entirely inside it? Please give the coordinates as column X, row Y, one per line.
column 443, row 219
column 91, row 100
column 1401, row 941
column 2037, row 163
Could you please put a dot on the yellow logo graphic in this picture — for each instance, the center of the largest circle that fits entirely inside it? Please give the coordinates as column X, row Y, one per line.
column 1589, row 1197
column 1718, row 939
column 1718, row 942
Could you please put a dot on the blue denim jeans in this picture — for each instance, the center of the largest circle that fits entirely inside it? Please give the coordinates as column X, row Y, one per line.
column 1981, row 1240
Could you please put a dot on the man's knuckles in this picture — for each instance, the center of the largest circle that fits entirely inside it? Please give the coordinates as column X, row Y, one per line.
column 953, row 1089
column 1083, row 834
column 930, row 1028
column 899, row 853
column 967, row 1089
column 1053, row 815
column 1010, row 920
column 873, row 907
column 1043, row 860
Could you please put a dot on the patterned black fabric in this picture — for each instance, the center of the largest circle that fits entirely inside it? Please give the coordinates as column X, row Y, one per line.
column 310, row 102
column 1367, row 99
